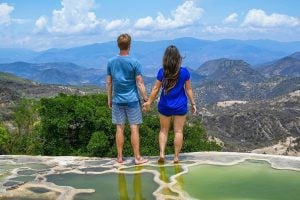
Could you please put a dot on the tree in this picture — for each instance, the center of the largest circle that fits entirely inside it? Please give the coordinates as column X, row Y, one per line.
column 68, row 122
column 25, row 114
column 98, row 144
column 4, row 137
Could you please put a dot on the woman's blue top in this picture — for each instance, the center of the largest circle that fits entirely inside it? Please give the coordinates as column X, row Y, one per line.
column 175, row 101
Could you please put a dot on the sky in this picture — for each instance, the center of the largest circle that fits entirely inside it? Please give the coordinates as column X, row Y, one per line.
column 44, row 24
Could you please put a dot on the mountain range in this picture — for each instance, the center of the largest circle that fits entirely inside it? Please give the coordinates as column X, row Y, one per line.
column 225, row 79
column 247, row 91
column 194, row 51
column 61, row 73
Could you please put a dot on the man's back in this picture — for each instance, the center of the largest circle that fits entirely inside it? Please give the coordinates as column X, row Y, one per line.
column 123, row 70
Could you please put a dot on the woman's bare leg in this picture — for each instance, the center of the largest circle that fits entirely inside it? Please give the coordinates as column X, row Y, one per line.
column 179, row 121
column 163, row 135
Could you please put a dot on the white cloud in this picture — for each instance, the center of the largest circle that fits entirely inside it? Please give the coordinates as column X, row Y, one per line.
column 232, row 18
column 78, row 17
column 5, row 11
column 144, row 22
column 116, row 24
column 258, row 18
column 74, row 17
column 41, row 23
column 184, row 15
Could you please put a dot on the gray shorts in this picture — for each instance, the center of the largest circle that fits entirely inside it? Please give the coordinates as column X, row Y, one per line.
column 121, row 112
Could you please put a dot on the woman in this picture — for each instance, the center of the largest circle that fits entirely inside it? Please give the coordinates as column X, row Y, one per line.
column 176, row 86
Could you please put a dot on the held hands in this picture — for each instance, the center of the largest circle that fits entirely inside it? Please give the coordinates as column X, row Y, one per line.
column 146, row 106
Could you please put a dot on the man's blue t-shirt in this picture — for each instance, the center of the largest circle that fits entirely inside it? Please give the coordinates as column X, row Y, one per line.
column 175, row 102
column 123, row 70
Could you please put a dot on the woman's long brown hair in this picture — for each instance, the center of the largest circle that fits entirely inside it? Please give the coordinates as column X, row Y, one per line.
column 171, row 65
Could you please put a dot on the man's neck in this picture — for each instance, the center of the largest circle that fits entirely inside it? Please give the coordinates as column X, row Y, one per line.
column 124, row 52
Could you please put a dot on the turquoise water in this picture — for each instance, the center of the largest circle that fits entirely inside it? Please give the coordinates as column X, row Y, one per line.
column 245, row 181
column 249, row 180
column 109, row 185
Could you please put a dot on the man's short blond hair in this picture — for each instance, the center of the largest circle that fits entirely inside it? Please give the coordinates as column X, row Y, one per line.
column 124, row 41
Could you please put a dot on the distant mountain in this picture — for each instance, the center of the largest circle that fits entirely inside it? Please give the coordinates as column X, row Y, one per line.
column 227, row 80
column 236, row 71
column 236, row 80
column 279, row 86
column 287, row 66
column 275, row 45
column 194, row 51
column 56, row 73
column 12, row 88
column 89, row 56
column 296, row 55
column 8, row 55
column 210, row 66
column 251, row 125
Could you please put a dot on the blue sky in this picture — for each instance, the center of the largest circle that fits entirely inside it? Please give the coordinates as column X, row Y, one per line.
column 43, row 24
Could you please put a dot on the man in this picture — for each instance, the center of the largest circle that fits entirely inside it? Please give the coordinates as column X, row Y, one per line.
column 123, row 81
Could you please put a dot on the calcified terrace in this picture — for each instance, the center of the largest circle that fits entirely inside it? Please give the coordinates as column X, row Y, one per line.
column 27, row 177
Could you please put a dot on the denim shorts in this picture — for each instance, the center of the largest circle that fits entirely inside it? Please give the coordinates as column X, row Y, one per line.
column 131, row 111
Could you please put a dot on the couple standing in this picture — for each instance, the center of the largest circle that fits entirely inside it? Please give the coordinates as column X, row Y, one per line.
column 124, row 79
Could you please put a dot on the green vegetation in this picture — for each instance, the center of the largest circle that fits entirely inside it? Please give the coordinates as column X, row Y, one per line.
column 4, row 135
column 11, row 77
column 81, row 125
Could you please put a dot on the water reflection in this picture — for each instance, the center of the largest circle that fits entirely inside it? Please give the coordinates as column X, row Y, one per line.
column 123, row 187
column 165, row 176
column 180, row 182
column 137, row 185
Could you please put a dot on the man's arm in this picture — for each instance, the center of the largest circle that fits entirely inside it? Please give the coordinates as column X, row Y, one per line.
column 140, row 84
column 109, row 90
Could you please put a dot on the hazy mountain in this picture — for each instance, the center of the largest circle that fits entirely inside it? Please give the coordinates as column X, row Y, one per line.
column 8, row 55
column 94, row 55
column 194, row 51
column 287, row 66
column 275, row 45
column 56, row 73
column 296, row 55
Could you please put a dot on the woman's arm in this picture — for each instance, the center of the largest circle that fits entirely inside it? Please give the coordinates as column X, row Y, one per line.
column 153, row 95
column 189, row 92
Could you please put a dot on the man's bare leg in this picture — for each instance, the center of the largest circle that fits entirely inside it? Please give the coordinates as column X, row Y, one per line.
column 120, row 141
column 135, row 142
